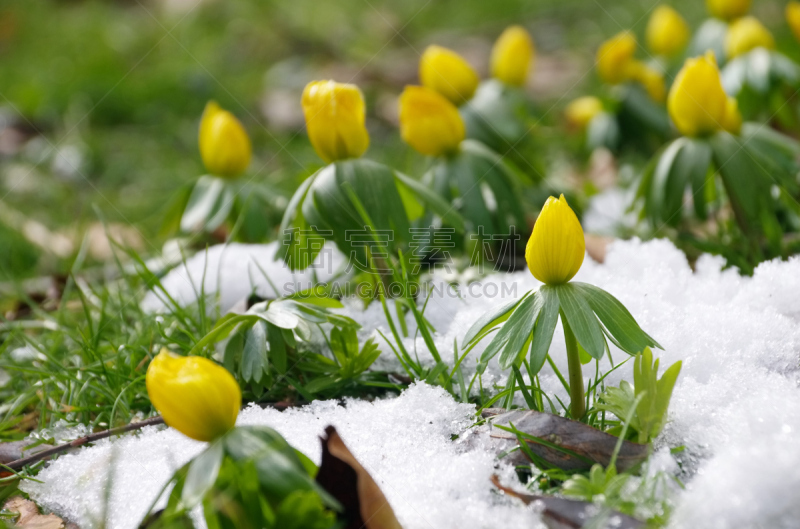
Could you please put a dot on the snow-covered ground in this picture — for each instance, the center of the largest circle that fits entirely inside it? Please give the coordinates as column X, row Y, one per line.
column 736, row 407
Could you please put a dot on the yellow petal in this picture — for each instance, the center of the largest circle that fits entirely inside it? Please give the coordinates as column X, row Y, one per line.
column 728, row 9
column 224, row 144
column 732, row 121
column 556, row 248
column 194, row 395
column 793, row 18
column 582, row 110
column 667, row 31
column 746, row 34
column 697, row 101
column 512, row 56
column 335, row 117
column 448, row 73
column 615, row 57
column 429, row 122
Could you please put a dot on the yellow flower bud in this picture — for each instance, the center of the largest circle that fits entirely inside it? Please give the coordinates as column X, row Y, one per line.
column 335, row 118
column 793, row 18
column 697, row 102
column 194, row 395
column 667, row 32
column 746, row 34
column 615, row 58
column 556, row 248
column 732, row 122
column 728, row 9
column 582, row 110
column 512, row 56
column 448, row 73
column 429, row 122
column 224, row 144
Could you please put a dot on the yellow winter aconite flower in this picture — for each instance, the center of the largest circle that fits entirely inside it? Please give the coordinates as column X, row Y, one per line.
column 697, row 102
column 448, row 73
column 512, row 56
column 746, row 34
column 429, row 122
column 615, row 58
column 194, row 395
column 224, row 144
column 793, row 18
column 556, row 248
column 667, row 31
column 582, row 110
column 335, row 117
column 728, row 9
column 732, row 121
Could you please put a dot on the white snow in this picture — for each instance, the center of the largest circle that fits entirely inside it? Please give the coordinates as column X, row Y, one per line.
column 736, row 407
column 234, row 271
column 404, row 443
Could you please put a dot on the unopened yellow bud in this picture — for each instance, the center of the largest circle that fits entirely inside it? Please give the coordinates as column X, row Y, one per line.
column 448, row 73
column 697, row 102
column 556, row 248
column 667, row 31
column 582, row 110
column 512, row 56
column 793, row 18
column 194, row 395
column 224, row 144
column 615, row 58
column 335, row 120
column 429, row 122
column 728, row 9
column 746, row 34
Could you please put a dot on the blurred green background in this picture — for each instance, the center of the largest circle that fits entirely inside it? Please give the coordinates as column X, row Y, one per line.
column 100, row 100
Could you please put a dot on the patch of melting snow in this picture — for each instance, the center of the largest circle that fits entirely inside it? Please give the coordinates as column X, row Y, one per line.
column 736, row 407
column 404, row 443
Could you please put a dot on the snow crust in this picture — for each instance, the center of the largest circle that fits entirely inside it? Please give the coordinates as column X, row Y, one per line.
column 735, row 408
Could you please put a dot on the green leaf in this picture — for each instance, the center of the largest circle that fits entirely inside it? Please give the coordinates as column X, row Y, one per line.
column 277, row 347
column 435, row 203
column 278, row 315
column 208, row 206
column 317, row 295
column 545, row 327
column 502, row 337
column 280, row 471
column 489, row 320
column 502, row 181
column 233, row 350
column 685, row 161
column 254, row 355
column 434, row 373
column 329, row 205
column 617, row 320
column 202, row 474
column 747, row 184
column 581, row 319
column 664, row 394
column 295, row 234
column 303, row 510
column 521, row 325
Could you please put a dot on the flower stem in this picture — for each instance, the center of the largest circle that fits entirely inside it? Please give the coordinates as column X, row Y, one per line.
column 577, row 407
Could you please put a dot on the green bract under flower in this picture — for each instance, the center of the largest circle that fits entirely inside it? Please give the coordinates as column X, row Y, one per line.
column 593, row 315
